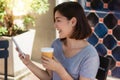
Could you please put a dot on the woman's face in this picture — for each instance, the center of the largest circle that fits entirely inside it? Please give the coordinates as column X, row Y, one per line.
column 63, row 25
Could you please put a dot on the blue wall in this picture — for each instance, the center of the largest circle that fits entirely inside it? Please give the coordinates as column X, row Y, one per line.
column 104, row 18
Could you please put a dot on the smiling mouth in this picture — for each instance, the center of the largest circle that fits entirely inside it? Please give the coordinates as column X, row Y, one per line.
column 59, row 31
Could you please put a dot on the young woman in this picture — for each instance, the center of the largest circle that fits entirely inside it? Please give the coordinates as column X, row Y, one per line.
column 74, row 58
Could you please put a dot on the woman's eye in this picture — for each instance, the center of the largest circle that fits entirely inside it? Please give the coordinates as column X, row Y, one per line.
column 57, row 20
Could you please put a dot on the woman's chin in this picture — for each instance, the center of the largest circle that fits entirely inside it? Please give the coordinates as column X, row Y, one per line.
column 62, row 38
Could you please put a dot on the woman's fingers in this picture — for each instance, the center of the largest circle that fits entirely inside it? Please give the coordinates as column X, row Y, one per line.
column 55, row 58
column 16, row 48
column 23, row 56
column 48, row 60
column 45, row 60
column 20, row 55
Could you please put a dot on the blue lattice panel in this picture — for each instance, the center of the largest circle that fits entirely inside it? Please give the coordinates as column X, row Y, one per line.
column 104, row 18
column 106, row 5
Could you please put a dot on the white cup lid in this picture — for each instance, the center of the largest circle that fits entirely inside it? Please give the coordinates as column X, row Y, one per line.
column 47, row 49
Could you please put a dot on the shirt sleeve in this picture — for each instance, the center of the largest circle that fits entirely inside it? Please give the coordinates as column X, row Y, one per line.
column 90, row 67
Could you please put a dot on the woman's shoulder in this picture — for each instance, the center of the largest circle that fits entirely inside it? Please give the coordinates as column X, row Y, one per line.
column 91, row 47
column 90, row 50
column 56, row 42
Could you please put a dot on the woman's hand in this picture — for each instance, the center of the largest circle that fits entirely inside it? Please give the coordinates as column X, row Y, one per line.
column 24, row 57
column 51, row 64
column 54, row 65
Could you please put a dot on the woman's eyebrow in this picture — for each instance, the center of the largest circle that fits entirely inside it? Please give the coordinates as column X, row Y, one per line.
column 57, row 17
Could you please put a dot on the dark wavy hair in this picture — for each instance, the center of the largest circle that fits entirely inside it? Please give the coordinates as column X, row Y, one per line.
column 70, row 9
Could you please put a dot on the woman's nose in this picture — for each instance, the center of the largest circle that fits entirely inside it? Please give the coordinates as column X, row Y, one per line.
column 55, row 25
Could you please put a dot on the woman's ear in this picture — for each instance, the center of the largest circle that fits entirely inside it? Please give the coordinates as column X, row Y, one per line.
column 73, row 21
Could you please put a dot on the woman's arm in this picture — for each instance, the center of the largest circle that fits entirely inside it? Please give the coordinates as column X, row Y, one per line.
column 40, row 73
column 54, row 65
column 89, row 68
column 83, row 78
column 64, row 75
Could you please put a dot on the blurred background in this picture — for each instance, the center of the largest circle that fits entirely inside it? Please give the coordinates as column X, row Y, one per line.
column 103, row 16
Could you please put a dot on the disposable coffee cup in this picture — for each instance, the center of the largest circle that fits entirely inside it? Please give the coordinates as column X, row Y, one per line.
column 47, row 51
